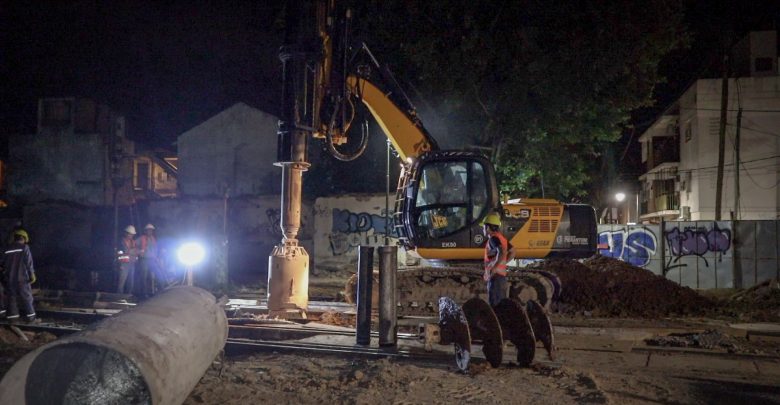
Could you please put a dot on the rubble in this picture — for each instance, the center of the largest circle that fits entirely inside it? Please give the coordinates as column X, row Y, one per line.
column 710, row 339
column 337, row 319
column 606, row 287
column 760, row 303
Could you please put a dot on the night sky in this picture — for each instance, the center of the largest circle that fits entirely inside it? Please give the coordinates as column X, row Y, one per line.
column 167, row 67
column 170, row 65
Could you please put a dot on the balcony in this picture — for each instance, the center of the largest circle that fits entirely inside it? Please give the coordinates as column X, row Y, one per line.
column 667, row 202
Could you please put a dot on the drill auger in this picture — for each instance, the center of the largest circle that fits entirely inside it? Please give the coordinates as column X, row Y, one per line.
column 477, row 322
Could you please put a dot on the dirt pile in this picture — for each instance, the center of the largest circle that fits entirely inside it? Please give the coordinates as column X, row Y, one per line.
column 606, row 287
column 760, row 303
column 337, row 319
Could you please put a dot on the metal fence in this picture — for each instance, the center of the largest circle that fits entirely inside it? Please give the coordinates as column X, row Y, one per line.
column 699, row 254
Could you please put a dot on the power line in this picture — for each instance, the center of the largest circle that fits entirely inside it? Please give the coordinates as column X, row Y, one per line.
column 728, row 109
column 754, row 181
column 760, row 131
column 728, row 164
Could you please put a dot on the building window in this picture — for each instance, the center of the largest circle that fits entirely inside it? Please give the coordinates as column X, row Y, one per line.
column 56, row 113
column 142, row 176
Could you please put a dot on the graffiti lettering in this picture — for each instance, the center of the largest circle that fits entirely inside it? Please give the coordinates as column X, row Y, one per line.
column 345, row 221
column 350, row 230
column 697, row 242
column 635, row 246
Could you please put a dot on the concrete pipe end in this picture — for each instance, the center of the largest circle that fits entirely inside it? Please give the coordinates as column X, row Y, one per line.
column 82, row 373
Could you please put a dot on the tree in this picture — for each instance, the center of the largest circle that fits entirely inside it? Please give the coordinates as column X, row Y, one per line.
column 545, row 84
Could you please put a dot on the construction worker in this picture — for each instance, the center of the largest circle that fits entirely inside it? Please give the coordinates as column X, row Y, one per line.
column 149, row 259
column 17, row 227
column 127, row 256
column 18, row 274
column 496, row 250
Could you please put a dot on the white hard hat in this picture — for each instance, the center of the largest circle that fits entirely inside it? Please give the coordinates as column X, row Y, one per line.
column 149, row 226
column 130, row 229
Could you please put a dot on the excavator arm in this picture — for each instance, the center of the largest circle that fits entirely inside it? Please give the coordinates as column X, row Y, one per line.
column 407, row 135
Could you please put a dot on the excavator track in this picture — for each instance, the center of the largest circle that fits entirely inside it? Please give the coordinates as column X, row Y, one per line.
column 421, row 287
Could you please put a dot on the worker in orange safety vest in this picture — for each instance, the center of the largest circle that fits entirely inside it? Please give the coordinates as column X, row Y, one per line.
column 127, row 256
column 149, row 259
column 496, row 251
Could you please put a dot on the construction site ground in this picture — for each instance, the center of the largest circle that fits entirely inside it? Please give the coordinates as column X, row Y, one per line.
column 623, row 335
column 612, row 360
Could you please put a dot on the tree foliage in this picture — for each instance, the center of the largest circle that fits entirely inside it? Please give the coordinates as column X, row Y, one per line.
column 545, row 84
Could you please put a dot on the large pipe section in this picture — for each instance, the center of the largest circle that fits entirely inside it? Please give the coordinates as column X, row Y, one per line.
column 388, row 300
column 154, row 353
column 364, row 282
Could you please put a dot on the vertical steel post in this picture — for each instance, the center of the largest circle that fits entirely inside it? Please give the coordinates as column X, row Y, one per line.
column 388, row 265
column 387, row 196
column 365, row 280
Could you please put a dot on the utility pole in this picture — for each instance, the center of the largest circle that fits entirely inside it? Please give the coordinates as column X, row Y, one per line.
column 736, row 241
column 724, row 102
column 387, row 196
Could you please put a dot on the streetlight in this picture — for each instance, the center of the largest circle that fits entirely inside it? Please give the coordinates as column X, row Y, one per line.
column 620, row 197
column 190, row 254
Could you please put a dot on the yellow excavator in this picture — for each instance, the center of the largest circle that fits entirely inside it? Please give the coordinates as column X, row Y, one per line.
column 442, row 195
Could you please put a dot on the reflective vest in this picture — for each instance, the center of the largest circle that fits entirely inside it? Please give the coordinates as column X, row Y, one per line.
column 124, row 256
column 501, row 264
column 148, row 246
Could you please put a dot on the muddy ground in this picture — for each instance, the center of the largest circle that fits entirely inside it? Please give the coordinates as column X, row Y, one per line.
column 588, row 369
column 701, row 367
column 581, row 377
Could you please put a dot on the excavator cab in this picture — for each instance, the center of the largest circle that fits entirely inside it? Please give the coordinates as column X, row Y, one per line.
column 443, row 195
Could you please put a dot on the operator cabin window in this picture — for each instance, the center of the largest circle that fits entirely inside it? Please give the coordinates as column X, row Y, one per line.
column 451, row 197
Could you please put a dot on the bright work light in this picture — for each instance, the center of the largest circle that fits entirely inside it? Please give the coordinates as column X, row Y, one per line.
column 191, row 254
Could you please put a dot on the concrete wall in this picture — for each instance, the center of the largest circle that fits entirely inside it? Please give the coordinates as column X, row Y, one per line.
column 699, row 254
column 343, row 223
column 233, row 150
column 760, row 146
column 252, row 230
column 57, row 165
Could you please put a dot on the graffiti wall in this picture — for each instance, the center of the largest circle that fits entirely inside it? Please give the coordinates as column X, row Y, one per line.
column 696, row 254
column 699, row 254
column 343, row 223
column 635, row 244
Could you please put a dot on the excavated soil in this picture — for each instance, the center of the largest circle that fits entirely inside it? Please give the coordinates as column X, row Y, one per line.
column 760, row 303
column 312, row 379
column 606, row 287
column 13, row 347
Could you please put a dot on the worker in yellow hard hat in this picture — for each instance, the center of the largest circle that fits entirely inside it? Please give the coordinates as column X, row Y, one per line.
column 18, row 274
column 496, row 251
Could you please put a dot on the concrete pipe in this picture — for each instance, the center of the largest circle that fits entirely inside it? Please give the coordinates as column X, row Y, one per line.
column 154, row 353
